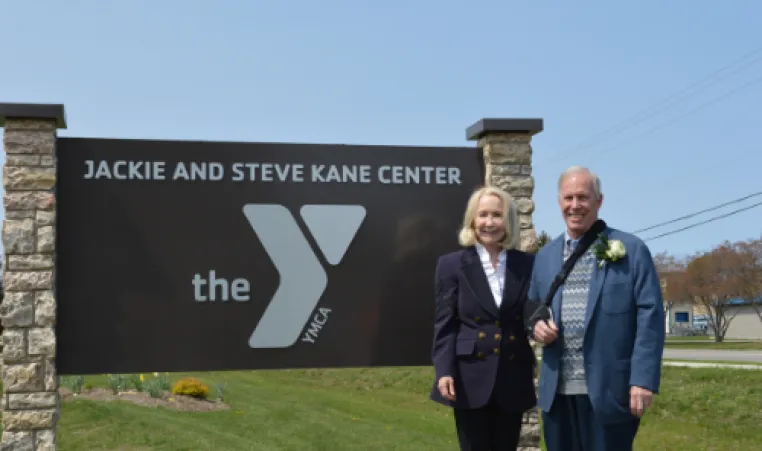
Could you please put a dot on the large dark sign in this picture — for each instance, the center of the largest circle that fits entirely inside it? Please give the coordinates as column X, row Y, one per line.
column 196, row 256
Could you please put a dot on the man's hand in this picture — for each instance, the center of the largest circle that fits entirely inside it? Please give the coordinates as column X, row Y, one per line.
column 640, row 400
column 446, row 386
column 545, row 333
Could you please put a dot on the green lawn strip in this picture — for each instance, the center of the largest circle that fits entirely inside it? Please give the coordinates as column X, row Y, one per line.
column 277, row 410
column 719, row 362
column 729, row 345
column 688, row 337
column 379, row 398
column 120, row 425
column 710, row 338
column 388, row 409
column 704, row 409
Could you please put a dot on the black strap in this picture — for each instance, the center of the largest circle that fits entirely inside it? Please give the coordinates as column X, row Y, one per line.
column 541, row 311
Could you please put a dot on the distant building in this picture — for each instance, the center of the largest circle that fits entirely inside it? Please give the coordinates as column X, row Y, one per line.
column 746, row 324
column 693, row 318
column 679, row 316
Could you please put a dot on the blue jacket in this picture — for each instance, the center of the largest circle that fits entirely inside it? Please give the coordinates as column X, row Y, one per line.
column 625, row 327
column 482, row 346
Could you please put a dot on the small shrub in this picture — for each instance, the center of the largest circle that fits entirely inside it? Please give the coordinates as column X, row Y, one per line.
column 220, row 388
column 117, row 383
column 190, row 386
column 164, row 381
column 154, row 388
column 137, row 381
column 74, row 383
column 79, row 382
column 113, row 383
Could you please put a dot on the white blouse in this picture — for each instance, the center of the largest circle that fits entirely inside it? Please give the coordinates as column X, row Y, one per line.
column 495, row 276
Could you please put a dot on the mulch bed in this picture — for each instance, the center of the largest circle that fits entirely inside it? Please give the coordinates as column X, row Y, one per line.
column 177, row 402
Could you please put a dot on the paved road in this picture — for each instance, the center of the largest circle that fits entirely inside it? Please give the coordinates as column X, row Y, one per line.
column 713, row 354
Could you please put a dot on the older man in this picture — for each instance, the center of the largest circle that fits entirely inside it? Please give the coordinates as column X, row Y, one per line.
column 602, row 328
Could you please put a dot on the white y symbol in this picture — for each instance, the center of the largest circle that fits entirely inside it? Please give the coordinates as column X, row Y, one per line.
column 302, row 278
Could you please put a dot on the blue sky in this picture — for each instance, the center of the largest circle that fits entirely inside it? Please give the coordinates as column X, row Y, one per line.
column 418, row 73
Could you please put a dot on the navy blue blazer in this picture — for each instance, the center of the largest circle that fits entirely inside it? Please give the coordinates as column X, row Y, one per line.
column 483, row 347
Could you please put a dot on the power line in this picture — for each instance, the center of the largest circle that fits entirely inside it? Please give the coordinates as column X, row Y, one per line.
column 695, row 110
column 734, row 201
column 704, row 222
column 666, row 103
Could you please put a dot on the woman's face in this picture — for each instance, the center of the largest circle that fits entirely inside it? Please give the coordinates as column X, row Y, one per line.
column 489, row 223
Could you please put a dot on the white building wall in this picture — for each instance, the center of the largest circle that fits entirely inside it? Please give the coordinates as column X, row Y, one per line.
column 679, row 311
column 746, row 324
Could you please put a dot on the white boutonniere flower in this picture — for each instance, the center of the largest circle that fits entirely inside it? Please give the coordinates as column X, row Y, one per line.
column 608, row 250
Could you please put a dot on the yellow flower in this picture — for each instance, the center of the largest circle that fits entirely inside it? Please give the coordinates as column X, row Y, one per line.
column 142, row 378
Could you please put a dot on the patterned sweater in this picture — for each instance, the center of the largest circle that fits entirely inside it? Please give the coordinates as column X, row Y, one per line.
column 573, row 307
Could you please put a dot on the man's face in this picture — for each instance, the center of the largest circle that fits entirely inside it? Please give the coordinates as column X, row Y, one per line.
column 579, row 206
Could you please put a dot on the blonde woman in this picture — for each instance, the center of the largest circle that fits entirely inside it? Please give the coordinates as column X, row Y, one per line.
column 483, row 362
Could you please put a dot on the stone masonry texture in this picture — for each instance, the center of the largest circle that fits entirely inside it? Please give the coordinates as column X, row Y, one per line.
column 508, row 164
column 31, row 403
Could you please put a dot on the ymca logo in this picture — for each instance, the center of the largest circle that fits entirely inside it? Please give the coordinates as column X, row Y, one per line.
column 302, row 277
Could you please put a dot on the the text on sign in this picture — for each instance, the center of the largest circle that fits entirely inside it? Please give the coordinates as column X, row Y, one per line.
column 200, row 171
column 213, row 288
column 317, row 323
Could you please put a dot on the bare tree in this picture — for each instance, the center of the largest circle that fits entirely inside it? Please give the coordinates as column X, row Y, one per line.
column 666, row 263
column 671, row 271
column 712, row 280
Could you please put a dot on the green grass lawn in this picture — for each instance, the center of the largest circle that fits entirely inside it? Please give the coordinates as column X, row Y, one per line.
column 721, row 362
column 380, row 409
column 705, row 409
column 387, row 409
column 729, row 345
column 689, row 338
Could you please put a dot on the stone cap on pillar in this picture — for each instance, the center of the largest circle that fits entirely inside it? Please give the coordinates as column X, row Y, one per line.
column 484, row 127
column 33, row 111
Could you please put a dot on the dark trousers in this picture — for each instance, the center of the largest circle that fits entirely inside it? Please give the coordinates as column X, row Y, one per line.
column 488, row 428
column 571, row 425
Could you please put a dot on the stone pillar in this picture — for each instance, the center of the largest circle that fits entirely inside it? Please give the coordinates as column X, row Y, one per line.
column 506, row 144
column 31, row 404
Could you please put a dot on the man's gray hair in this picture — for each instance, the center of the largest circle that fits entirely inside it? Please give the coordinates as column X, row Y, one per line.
column 596, row 181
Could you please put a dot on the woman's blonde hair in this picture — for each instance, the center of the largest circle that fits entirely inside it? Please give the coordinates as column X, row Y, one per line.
column 467, row 235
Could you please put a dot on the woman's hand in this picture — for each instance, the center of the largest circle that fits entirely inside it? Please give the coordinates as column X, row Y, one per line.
column 446, row 386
